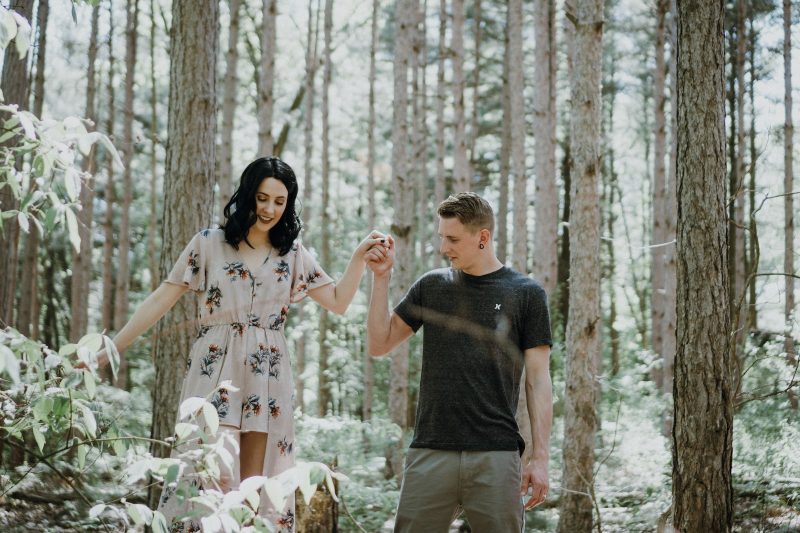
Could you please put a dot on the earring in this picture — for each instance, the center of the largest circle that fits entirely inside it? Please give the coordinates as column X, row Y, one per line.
column 481, row 246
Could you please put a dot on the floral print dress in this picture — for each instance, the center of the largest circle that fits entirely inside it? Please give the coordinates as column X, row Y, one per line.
column 241, row 319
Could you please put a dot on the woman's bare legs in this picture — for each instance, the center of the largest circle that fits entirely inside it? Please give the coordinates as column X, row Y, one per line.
column 253, row 446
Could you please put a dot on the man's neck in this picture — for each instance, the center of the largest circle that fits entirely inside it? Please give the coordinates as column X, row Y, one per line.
column 484, row 266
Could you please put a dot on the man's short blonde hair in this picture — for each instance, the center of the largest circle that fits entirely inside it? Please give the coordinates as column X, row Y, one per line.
column 470, row 209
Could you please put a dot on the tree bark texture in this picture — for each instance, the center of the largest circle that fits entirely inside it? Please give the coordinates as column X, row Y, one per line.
column 476, row 82
column 702, row 435
column 15, row 86
column 516, row 88
column 583, row 326
column 124, row 247
column 188, row 184
column 110, row 190
column 461, row 170
column 82, row 265
column 324, row 393
column 28, row 308
column 226, row 180
column 505, row 159
column 266, row 101
column 402, row 224
column 152, row 226
column 545, row 237
column 657, row 249
column 439, row 184
column 788, row 179
column 740, row 261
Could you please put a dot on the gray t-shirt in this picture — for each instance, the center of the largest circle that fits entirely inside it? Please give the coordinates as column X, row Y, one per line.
column 476, row 329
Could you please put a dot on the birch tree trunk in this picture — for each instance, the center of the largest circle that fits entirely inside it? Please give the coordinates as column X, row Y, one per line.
column 324, row 392
column 580, row 420
column 657, row 250
column 265, row 96
column 28, row 308
column 788, row 188
column 226, row 180
column 16, row 87
column 516, row 88
column 461, row 170
column 369, row 369
column 188, row 183
column 402, row 224
column 123, row 268
column 702, row 436
column 82, row 262
column 545, row 237
column 110, row 191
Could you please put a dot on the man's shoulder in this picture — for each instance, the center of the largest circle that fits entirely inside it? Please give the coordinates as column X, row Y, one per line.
column 525, row 283
column 436, row 276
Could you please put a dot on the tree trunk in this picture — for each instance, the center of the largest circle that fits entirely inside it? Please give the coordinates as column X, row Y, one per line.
column 28, row 308
column 109, row 281
column 461, row 172
column 226, row 180
column 752, row 227
column 152, row 226
column 188, row 184
column 123, row 268
column 702, row 436
column 369, row 370
column 740, row 261
column 562, row 300
column 439, row 185
column 516, row 88
column 15, row 87
column 476, row 81
column 670, row 266
column 308, row 142
column 266, row 99
column 402, row 225
column 580, row 420
column 545, row 237
column 324, row 393
column 82, row 266
column 505, row 158
column 657, row 249
column 788, row 188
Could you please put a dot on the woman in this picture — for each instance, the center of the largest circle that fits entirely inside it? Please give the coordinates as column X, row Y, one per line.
column 245, row 275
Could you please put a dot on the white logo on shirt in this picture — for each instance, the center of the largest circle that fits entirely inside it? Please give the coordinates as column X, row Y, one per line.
column 496, row 307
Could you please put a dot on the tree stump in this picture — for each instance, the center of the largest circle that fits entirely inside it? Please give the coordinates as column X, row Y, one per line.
column 321, row 515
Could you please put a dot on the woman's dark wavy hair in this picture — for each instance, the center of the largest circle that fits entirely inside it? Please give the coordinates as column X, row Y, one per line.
column 240, row 213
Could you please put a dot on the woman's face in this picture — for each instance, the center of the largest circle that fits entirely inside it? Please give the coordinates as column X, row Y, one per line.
column 271, row 199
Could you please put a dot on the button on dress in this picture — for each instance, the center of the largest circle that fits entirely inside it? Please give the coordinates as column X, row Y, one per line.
column 241, row 339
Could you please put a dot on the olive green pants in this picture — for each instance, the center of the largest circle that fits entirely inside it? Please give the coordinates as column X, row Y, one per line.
column 438, row 484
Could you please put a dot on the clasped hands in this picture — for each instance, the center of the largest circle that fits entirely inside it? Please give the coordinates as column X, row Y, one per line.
column 380, row 257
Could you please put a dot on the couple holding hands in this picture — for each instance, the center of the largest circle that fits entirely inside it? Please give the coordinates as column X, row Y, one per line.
column 483, row 323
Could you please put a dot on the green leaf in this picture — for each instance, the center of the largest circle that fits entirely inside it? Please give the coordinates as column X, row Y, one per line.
column 8, row 28
column 67, row 349
column 82, row 451
column 37, row 434
column 72, row 225
column 7, row 135
column 183, row 430
column 172, row 474
column 9, row 363
column 93, row 341
column 22, row 220
column 50, row 219
column 159, row 524
column 72, row 380
column 42, row 409
column 89, row 421
column 211, row 417
column 88, row 380
column 141, row 514
column 72, row 182
column 113, row 355
column 119, row 447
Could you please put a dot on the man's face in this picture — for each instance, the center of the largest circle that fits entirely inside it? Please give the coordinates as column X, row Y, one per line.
column 458, row 243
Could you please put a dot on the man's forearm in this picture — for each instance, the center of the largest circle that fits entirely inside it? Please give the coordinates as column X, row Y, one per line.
column 378, row 318
column 539, row 390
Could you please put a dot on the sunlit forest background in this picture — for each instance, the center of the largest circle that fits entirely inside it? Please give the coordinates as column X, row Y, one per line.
column 382, row 109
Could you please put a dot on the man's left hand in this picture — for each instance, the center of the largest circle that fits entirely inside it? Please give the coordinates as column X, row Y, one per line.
column 535, row 482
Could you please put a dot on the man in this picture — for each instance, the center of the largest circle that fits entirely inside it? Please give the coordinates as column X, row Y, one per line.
column 483, row 322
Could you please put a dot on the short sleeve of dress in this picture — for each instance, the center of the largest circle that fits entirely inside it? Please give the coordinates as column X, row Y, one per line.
column 306, row 274
column 190, row 268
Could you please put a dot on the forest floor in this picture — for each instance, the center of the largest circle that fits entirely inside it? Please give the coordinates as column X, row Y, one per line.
column 773, row 512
